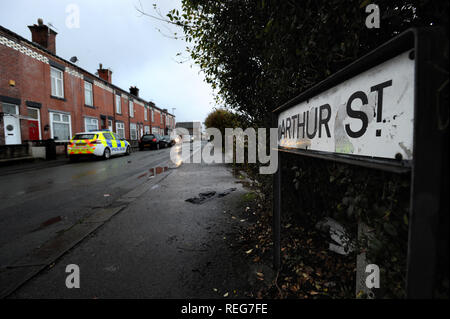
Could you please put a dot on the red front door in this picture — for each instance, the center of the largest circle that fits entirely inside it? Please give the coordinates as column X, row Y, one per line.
column 33, row 130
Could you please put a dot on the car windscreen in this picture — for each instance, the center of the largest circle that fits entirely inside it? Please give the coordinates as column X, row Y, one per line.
column 148, row 137
column 84, row 136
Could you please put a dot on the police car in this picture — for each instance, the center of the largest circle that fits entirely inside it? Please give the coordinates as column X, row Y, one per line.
column 97, row 143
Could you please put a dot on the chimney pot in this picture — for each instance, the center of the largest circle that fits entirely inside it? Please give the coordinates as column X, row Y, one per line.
column 105, row 74
column 134, row 90
column 43, row 35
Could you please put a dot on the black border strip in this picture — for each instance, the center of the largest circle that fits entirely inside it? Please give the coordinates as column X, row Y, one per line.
column 11, row 100
column 33, row 104
column 57, row 65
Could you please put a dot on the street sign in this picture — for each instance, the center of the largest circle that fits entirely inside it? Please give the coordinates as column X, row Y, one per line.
column 370, row 114
column 389, row 111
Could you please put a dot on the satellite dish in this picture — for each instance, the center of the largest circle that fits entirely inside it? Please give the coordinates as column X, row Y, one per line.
column 74, row 59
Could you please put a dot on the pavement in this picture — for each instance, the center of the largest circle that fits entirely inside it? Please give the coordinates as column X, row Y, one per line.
column 127, row 225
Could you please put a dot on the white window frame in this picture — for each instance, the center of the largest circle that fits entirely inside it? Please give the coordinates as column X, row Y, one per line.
column 145, row 114
column 153, row 115
column 91, row 119
column 131, row 108
column 51, row 124
column 86, row 88
column 120, row 127
column 146, row 129
column 54, row 82
column 133, row 127
column 118, row 104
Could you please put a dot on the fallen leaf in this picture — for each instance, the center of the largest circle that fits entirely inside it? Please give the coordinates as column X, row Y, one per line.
column 249, row 251
column 215, row 289
column 260, row 274
column 226, row 294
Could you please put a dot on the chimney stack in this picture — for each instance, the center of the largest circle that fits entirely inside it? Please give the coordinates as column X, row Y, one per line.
column 134, row 90
column 105, row 74
column 43, row 35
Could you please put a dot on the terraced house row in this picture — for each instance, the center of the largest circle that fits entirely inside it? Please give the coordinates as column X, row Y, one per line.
column 43, row 96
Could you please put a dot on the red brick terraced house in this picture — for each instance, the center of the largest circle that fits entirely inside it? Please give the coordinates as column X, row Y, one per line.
column 43, row 96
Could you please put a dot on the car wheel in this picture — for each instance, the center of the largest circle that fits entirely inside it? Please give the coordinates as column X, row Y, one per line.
column 128, row 152
column 157, row 146
column 106, row 153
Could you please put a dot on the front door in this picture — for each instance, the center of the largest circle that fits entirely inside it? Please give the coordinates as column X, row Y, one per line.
column 11, row 124
column 33, row 124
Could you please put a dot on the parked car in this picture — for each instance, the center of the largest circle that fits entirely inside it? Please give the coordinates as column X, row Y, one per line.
column 168, row 142
column 152, row 141
column 98, row 143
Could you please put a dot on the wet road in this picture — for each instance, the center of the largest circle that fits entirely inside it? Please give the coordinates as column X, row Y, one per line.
column 35, row 205
column 160, row 244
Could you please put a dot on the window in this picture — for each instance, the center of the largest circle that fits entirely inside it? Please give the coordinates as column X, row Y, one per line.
column 162, row 120
column 60, row 126
column 88, row 94
column 147, row 129
column 133, row 131
column 120, row 129
column 117, row 137
column 118, row 104
column 110, row 125
column 148, row 137
column 145, row 113
column 90, row 124
column 131, row 109
column 9, row 108
column 57, row 82
column 153, row 115
column 107, row 136
column 84, row 136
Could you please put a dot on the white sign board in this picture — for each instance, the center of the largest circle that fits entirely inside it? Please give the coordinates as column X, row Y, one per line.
column 371, row 114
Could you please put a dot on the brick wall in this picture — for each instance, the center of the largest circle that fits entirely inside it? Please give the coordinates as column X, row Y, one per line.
column 29, row 67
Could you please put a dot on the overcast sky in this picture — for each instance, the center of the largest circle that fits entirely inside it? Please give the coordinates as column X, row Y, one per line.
column 113, row 33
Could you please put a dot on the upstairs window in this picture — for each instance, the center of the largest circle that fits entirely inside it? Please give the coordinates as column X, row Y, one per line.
column 153, row 115
column 57, row 82
column 145, row 113
column 118, row 104
column 88, row 94
column 131, row 106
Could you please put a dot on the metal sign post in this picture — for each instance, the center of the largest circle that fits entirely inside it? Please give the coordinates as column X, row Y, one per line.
column 388, row 110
